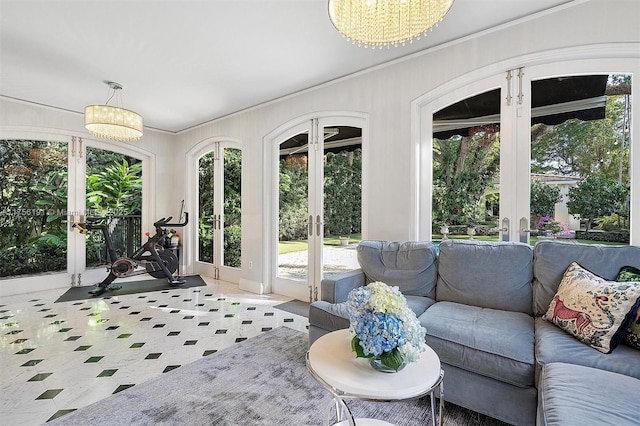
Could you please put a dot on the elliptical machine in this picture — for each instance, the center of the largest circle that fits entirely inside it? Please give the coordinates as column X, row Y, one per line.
column 156, row 260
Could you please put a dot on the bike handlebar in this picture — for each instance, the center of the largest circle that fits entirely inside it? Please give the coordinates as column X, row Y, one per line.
column 165, row 221
column 96, row 222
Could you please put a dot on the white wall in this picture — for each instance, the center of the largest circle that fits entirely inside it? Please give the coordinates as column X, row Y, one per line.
column 385, row 95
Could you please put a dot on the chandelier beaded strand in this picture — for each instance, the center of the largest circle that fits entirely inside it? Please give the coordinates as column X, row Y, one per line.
column 385, row 23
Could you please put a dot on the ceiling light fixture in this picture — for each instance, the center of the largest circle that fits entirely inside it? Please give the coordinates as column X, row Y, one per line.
column 379, row 23
column 113, row 122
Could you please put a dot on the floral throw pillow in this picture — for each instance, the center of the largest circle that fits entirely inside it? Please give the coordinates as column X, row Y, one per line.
column 632, row 337
column 595, row 311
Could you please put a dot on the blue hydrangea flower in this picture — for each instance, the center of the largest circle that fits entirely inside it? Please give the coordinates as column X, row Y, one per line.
column 382, row 321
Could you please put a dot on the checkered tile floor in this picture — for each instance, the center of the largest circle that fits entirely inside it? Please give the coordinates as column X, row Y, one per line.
column 58, row 357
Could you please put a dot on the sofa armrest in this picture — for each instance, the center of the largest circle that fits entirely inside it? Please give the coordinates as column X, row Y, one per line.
column 337, row 288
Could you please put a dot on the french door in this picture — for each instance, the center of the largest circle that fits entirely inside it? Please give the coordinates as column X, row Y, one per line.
column 113, row 187
column 219, row 207
column 34, row 204
column 44, row 193
column 105, row 180
column 319, row 204
column 507, row 152
column 576, row 128
column 473, row 176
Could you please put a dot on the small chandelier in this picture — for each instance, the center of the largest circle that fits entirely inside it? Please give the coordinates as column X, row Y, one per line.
column 113, row 122
column 379, row 23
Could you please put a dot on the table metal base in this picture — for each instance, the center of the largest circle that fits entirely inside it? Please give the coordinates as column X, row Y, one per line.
column 342, row 410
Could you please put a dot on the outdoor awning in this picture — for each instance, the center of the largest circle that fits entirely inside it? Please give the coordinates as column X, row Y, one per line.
column 336, row 139
column 554, row 101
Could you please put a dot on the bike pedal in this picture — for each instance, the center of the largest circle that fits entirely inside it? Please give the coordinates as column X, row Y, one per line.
column 97, row 291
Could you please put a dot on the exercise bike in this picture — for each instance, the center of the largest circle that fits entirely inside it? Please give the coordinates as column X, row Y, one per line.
column 156, row 260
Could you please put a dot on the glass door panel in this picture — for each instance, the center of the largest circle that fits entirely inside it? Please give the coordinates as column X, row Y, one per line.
column 206, row 208
column 33, row 203
column 294, row 222
column 342, row 199
column 219, row 211
column 466, row 168
column 580, row 169
column 232, row 223
column 113, row 191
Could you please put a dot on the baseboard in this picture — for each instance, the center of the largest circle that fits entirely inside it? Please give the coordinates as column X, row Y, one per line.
column 252, row 286
column 34, row 283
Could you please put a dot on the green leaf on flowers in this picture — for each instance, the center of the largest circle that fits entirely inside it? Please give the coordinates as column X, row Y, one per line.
column 392, row 359
column 355, row 347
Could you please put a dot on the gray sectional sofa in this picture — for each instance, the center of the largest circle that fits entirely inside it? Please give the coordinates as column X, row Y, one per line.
column 482, row 305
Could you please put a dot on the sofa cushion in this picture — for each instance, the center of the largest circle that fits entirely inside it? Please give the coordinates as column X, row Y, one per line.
column 552, row 258
column 329, row 316
column 496, row 344
column 419, row 304
column 336, row 288
column 554, row 345
column 577, row 395
column 595, row 311
column 489, row 275
column 411, row 266
column 632, row 337
column 334, row 316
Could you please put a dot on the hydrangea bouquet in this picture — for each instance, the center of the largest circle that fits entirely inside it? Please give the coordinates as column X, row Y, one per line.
column 383, row 326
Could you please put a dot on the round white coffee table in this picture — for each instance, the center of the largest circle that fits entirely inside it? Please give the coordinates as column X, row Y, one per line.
column 333, row 364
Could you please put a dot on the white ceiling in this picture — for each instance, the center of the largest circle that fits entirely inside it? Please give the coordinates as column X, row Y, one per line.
column 185, row 62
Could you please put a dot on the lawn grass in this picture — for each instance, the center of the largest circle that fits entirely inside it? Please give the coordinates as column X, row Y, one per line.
column 335, row 241
column 285, row 247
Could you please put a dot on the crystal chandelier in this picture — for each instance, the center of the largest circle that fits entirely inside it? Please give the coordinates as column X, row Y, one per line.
column 113, row 122
column 379, row 23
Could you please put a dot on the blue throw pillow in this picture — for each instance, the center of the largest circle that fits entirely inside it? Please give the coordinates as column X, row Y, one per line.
column 632, row 337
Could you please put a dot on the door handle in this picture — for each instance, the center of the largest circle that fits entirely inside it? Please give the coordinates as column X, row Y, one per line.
column 318, row 227
column 524, row 229
column 505, row 229
column 311, row 225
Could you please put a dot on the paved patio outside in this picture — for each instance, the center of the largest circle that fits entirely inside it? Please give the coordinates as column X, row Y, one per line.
column 337, row 259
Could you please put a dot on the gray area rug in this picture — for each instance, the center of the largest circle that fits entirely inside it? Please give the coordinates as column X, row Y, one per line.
column 260, row 381
column 297, row 307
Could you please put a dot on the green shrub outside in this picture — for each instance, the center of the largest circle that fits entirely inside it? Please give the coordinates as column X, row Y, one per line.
column 37, row 257
column 621, row 236
column 232, row 241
